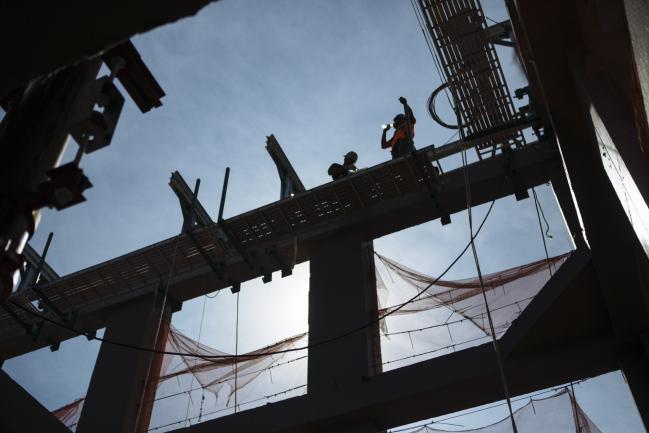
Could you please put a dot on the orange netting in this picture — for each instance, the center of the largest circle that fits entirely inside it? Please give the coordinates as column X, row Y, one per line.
column 508, row 293
column 216, row 374
column 70, row 413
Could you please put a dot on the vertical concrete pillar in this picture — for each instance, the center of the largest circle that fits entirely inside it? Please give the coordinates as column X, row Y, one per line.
column 118, row 383
column 342, row 297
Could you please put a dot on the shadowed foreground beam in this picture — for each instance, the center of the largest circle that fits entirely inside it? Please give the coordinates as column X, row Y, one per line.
column 51, row 37
column 20, row 412
column 439, row 386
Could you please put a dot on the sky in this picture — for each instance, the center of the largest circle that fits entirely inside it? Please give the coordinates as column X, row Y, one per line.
column 322, row 77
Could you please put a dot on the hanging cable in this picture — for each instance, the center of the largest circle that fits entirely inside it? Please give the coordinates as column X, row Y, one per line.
column 501, row 369
column 200, row 331
column 90, row 336
column 296, row 349
column 538, row 215
column 161, row 318
column 547, row 225
column 236, row 352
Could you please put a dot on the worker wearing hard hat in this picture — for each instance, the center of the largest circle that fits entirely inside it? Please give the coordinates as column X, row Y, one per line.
column 401, row 142
column 337, row 171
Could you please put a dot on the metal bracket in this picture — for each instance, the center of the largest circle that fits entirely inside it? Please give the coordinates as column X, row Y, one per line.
column 188, row 229
column 290, row 181
column 94, row 129
column 502, row 34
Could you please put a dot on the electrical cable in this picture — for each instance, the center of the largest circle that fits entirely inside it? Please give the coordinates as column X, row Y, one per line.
column 547, row 225
column 161, row 317
column 236, row 352
column 537, row 204
column 89, row 335
column 501, row 368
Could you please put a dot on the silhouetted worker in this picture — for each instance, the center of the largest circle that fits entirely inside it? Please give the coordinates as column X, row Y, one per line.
column 402, row 142
column 337, row 171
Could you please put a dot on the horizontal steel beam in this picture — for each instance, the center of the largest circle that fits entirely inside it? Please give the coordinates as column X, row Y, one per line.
column 490, row 179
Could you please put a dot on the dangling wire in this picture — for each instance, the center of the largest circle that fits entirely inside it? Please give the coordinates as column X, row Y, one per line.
column 503, row 378
column 161, row 318
column 537, row 205
column 236, row 352
column 545, row 221
column 191, row 383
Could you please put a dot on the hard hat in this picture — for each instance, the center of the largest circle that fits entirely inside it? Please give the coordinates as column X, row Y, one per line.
column 334, row 169
column 352, row 156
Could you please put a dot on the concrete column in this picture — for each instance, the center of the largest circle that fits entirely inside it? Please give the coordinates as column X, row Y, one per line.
column 342, row 297
column 118, row 383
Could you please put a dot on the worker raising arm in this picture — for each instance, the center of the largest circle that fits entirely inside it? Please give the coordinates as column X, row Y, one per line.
column 401, row 142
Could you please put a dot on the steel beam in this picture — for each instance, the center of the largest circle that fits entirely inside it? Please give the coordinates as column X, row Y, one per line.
column 20, row 412
column 491, row 179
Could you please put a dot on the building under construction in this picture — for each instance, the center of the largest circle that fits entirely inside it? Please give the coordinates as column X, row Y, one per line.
column 584, row 130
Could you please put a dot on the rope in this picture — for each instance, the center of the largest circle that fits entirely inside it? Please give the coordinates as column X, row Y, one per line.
column 161, row 317
column 537, row 205
column 236, row 352
column 547, row 225
column 89, row 335
column 191, row 384
column 501, row 369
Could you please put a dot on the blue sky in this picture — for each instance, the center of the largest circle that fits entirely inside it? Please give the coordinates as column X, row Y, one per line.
column 321, row 76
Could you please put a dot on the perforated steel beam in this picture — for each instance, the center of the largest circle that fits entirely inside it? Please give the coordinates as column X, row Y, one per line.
column 490, row 179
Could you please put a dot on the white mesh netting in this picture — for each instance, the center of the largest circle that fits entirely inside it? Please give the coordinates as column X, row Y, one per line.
column 453, row 313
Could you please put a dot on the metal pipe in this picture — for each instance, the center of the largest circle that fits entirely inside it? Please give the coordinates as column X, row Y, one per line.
column 223, row 193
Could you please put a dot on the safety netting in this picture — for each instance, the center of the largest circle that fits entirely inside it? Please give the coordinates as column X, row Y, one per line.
column 559, row 413
column 447, row 316
column 450, row 315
